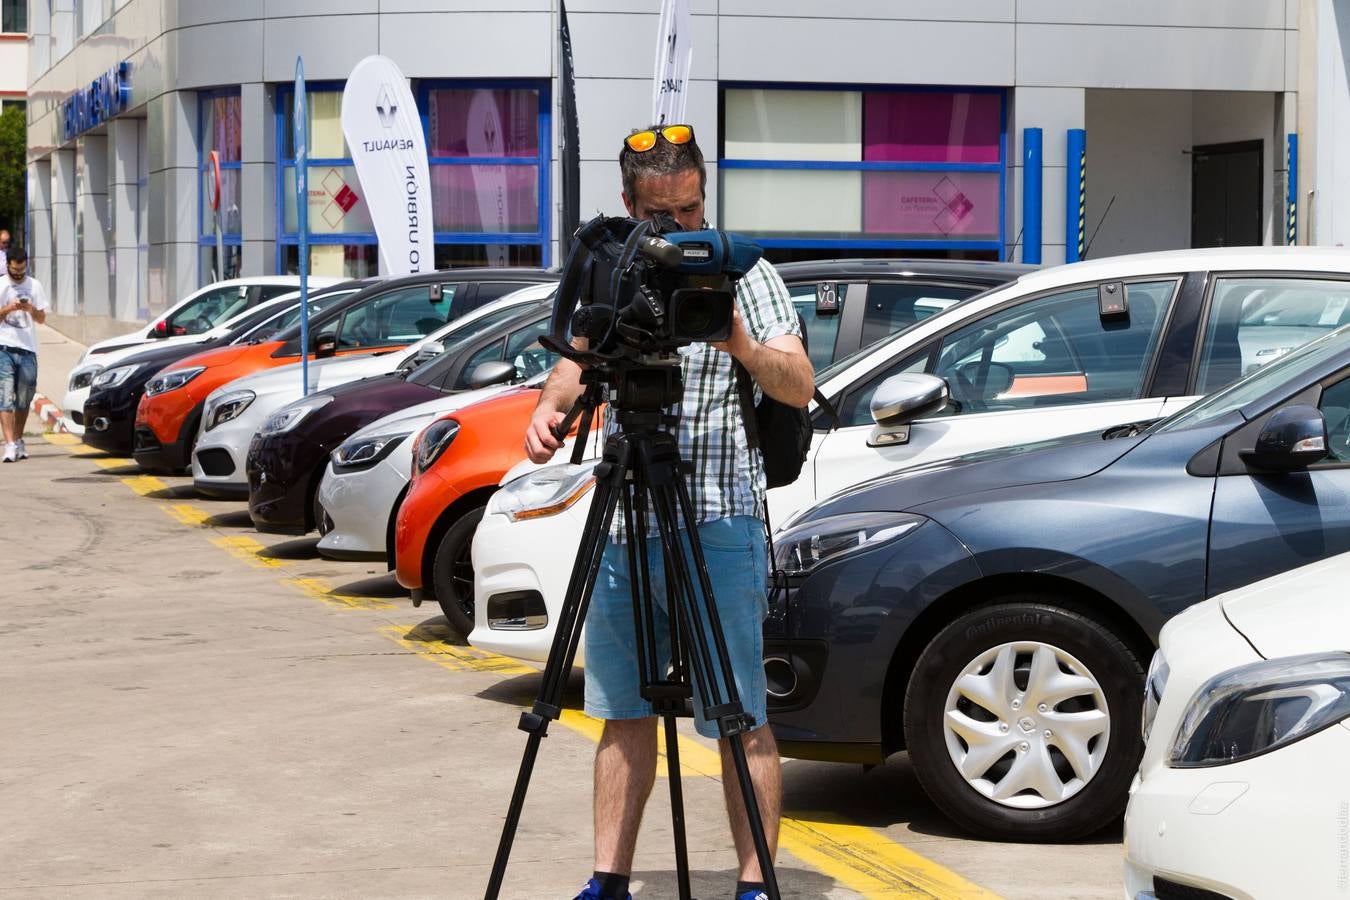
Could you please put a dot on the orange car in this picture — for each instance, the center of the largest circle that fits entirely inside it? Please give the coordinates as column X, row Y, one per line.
column 383, row 315
column 458, row 461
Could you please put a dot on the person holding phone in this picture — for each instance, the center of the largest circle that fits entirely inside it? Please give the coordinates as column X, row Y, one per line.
column 23, row 306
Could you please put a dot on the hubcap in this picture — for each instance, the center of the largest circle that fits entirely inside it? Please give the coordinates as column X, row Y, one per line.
column 1026, row 724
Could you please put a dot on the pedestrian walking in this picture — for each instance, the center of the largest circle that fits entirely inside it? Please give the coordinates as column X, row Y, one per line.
column 23, row 306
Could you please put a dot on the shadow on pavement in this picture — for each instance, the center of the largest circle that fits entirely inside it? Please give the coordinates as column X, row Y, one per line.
column 382, row 586
column 300, row 548
column 174, row 492
column 236, row 519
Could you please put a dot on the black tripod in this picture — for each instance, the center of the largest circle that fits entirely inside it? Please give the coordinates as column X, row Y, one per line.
column 641, row 463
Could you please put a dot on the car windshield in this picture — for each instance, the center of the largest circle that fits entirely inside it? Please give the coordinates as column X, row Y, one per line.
column 1265, row 380
column 291, row 315
column 458, row 340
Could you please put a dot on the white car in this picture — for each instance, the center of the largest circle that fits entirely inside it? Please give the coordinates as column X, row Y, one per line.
column 1060, row 351
column 197, row 318
column 234, row 411
column 1244, row 789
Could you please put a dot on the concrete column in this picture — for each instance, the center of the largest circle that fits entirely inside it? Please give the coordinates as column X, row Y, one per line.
column 258, row 180
column 65, row 259
column 174, row 204
column 1055, row 111
column 95, row 224
column 40, row 222
column 124, row 166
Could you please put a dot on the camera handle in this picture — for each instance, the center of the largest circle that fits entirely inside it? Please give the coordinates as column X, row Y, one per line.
column 639, row 465
column 584, row 408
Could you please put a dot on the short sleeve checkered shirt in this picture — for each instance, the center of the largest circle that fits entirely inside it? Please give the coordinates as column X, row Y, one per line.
column 727, row 479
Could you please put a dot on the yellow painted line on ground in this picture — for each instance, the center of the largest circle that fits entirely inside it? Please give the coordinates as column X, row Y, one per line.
column 188, row 514
column 111, row 462
column 429, row 642
column 144, row 484
column 83, row 450
column 62, row 439
column 318, row 589
column 247, row 549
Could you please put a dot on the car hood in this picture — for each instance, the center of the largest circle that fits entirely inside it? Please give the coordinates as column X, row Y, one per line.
column 219, row 356
column 415, row 418
column 1303, row 611
column 1058, row 459
column 323, row 374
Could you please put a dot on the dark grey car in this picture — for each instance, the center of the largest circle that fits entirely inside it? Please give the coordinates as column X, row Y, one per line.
column 993, row 614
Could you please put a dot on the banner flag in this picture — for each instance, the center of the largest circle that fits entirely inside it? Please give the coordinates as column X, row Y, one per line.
column 300, row 116
column 571, row 150
column 485, row 136
column 674, row 53
column 384, row 135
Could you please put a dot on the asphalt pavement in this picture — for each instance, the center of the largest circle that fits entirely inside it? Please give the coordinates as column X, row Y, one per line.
column 194, row 709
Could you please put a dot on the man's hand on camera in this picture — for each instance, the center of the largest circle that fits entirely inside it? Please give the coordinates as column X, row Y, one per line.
column 739, row 344
column 540, row 444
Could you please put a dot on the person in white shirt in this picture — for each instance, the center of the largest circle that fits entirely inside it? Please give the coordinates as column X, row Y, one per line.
column 23, row 303
column 4, row 245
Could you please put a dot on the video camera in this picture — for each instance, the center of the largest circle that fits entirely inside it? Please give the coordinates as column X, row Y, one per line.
column 640, row 289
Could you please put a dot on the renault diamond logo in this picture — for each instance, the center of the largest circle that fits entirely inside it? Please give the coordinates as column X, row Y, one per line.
column 385, row 106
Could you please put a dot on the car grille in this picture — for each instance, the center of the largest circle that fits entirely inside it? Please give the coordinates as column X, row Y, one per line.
column 145, row 439
column 1171, row 890
column 216, row 462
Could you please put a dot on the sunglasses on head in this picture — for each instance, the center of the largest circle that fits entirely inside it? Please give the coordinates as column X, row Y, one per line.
column 642, row 141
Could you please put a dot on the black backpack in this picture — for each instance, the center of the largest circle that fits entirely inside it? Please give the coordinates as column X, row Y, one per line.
column 781, row 432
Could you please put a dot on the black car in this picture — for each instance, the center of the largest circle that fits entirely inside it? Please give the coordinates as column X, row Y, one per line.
column 289, row 453
column 109, row 413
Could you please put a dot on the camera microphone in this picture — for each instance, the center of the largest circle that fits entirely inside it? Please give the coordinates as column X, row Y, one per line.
column 662, row 251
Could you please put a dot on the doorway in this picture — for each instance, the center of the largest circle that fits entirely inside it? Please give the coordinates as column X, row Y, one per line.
column 1226, row 195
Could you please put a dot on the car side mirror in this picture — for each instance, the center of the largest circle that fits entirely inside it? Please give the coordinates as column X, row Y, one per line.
column 900, row 400
column 1294, row 438
column 490, row 373
column 425, row 353
column 161, row 329
column 325, row 345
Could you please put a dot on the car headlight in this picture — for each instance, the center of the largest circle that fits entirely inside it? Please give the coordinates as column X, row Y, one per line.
column 113, row 377
column 286, row 418
column 83, row 378
column 543, row 492
column 227, row 407
column 432, row 443
column 362, row 452
column 801, row 548
column 1154, row 685
column 1260, row 707
column 171, row 381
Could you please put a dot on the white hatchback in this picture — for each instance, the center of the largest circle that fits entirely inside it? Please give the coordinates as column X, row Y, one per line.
column 1064, row 350
column 1244, row 789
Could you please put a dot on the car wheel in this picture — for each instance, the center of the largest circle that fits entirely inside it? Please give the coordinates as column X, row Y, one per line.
column 452, row 571
column 1022, row 721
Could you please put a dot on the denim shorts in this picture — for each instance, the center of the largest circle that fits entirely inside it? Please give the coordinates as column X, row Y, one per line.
column 18, row 379
column 734, row 550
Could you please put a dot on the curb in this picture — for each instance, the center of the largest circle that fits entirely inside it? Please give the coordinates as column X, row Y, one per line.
column 49, row 413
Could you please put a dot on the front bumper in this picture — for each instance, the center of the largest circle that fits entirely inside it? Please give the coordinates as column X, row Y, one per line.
column 1275, row 825
column 361, row 506
column 278, row 469
column 73, row 406
column 176, row 455
column 111, row 420
column 220, row 458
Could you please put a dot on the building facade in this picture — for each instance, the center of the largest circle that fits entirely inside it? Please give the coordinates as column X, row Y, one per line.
column 868, row 127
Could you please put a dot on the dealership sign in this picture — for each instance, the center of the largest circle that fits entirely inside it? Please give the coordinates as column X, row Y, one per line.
column 389, row 150
column 97, row 102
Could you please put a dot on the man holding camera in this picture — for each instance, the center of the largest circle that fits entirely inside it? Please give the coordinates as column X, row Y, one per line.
column 22, row 303
column 663, row 174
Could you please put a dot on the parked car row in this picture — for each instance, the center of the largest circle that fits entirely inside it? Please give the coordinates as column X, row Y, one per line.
column 1011, row 490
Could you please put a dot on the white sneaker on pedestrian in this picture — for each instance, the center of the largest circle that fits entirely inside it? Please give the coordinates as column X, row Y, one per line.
column 21, row 449
column 11, row 452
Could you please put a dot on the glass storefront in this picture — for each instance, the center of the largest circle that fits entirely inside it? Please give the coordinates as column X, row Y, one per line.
column 220, row 117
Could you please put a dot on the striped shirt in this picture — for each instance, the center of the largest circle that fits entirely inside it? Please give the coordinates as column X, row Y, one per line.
column 727, row 479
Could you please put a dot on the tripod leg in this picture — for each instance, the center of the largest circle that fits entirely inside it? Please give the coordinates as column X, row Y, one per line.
column 677, row 807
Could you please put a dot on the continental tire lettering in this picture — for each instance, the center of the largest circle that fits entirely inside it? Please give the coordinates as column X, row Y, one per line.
column 996, row 622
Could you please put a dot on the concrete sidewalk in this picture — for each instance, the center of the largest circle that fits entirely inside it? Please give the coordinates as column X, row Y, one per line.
column 57, row 355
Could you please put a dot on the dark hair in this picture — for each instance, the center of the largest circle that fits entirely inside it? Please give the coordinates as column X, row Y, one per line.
column 18, row 254
column 663, row 159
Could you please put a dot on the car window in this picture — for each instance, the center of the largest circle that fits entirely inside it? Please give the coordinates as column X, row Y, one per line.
column 456, row 341
column 486, row 293
column 1253, row 321
column 1055, row 350
column 398, row 317
column 289, row 317
column 268, row 291
column 1335, row 407
column 822, row 332
column 204, row 312
column 894, row 306
column 490, row 353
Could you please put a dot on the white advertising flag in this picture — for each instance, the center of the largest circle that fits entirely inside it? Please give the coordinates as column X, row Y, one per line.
column 485, row 135
column 674, row 53
column 384, row 133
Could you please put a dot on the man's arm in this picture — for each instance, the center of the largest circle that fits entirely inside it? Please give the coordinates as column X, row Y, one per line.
column 560, row 393
column 779, row 365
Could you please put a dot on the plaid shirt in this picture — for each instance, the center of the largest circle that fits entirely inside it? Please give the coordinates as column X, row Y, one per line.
column 728, row 480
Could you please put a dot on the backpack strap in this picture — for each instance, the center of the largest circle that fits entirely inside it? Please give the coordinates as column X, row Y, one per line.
column 747, row 393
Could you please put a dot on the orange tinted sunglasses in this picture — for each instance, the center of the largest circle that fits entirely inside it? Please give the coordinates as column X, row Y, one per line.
column 642, row 141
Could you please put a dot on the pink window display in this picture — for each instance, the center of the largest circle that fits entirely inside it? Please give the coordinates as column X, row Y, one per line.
column 936, row 126
column 483, row 122
column 932, row 205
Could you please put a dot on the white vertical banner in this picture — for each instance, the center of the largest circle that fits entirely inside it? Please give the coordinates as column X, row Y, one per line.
column 485, row 136
column 384, row 134
column 674, row 53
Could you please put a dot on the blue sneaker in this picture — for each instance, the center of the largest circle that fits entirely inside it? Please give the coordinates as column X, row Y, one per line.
column 591, row 891
column 752, row 895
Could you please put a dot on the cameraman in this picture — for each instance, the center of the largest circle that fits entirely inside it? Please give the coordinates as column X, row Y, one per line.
column 663, row 174
column 22, row 302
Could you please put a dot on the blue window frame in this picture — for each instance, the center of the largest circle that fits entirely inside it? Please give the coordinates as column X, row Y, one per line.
column 864, row 167
column 462, row 169
column 219, row 124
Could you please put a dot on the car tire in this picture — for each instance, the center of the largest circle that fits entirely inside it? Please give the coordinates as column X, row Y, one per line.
column 1005, row 756
column 452, row 571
